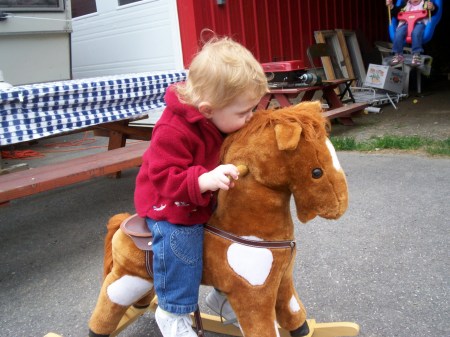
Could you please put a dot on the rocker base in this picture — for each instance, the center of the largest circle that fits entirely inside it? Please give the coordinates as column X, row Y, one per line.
column 213, row 323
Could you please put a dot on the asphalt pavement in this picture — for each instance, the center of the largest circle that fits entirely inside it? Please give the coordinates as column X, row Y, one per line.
column 383, row 265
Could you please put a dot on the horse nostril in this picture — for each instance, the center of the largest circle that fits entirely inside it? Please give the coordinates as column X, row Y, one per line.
column 317, row 173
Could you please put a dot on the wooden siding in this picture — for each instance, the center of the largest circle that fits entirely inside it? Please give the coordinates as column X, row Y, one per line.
column 276, row 30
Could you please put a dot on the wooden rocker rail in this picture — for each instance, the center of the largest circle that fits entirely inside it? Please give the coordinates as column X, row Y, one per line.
column 24, row 183
column 213, row 323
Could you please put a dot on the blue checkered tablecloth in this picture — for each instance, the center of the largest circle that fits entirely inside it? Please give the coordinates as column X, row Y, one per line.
column 39, row 110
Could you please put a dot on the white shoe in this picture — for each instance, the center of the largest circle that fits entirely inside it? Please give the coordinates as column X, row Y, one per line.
column 172, row 325
column 218, row 303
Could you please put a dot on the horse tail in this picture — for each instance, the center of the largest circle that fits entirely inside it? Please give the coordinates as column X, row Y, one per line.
column 113, row 225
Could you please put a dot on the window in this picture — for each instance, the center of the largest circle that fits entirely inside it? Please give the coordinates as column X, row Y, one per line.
column 127, row 2
column 83, row 7
column 32, row 5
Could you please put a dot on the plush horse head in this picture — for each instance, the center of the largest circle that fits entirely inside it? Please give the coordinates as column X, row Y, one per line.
column 286, row 152
column 249, row 245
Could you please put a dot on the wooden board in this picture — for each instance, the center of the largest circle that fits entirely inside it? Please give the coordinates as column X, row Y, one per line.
column 23, row 183
column 345, row 53
column 354, row 52
column 326, row 61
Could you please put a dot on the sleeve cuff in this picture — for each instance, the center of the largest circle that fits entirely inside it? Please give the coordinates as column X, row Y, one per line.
column 194, row 189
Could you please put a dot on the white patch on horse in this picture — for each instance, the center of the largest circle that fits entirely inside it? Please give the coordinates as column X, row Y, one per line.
column 160, row 208
column 336, row 163
column 128, row 289
column 253, row 264
column 252, row 237
column 293, row 304
column 276, row 329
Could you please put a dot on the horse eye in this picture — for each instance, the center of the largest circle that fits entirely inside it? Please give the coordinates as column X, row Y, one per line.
column 317, row 173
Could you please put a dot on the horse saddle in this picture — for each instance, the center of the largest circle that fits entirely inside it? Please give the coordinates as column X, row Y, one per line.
column 136, row 228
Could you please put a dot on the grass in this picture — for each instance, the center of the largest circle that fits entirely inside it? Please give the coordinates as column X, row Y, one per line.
column 406, row 143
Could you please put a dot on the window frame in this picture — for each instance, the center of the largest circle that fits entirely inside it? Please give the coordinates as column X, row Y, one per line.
column 128, row 4
column 57, row 7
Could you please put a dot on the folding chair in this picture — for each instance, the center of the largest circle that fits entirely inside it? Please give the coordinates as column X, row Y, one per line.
column 322, row 50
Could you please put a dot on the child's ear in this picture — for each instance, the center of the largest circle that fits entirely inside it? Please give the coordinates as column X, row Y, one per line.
column 205, row 109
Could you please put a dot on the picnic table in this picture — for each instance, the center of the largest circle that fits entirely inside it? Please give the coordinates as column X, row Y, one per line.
column 108, row 104
column 337, row 109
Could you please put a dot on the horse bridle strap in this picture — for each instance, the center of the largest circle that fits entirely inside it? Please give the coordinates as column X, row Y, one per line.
column 247, row 242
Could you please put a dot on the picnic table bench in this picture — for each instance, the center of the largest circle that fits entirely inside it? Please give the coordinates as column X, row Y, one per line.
column 35, row 180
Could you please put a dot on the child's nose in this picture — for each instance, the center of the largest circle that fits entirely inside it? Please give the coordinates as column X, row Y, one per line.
column 249, row 116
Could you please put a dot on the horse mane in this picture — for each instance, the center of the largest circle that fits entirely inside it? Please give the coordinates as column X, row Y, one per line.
column 308, row 115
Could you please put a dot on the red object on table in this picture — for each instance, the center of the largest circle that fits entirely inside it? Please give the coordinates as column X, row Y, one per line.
column 283, row 66
column 284, row 74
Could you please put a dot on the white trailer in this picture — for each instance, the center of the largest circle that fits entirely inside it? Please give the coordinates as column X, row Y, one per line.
column 35, row 40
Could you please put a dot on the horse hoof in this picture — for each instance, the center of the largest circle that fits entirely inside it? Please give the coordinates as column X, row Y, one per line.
column 93, row 334
column 302, row 331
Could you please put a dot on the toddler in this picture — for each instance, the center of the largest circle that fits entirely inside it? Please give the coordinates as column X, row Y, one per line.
column 180, row 170
column 402, row 30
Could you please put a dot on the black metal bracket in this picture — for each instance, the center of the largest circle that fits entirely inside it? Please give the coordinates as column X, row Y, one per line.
column 3, row 16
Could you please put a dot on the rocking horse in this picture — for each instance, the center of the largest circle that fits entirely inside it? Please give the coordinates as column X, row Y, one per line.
column 249, row 247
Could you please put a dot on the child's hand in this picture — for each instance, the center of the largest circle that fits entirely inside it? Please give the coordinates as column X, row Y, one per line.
column 430, row 6
column 219, row 178
column 389, row 3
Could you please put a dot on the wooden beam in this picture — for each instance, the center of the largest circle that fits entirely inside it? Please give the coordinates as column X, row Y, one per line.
column 326, row 61
column 345, row 53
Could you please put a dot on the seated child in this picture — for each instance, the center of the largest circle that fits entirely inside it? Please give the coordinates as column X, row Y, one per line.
column 402, row 30
column 180, row 171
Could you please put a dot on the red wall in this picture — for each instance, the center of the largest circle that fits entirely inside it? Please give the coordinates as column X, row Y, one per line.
column 279, row 29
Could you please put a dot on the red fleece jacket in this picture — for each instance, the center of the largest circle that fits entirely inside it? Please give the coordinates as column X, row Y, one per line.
column 184, row 145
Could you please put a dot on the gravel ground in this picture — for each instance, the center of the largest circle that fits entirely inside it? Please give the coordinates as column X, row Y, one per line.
column 426, row 116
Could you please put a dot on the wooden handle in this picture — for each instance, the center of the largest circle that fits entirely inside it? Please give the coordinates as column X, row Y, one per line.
column 243, row 170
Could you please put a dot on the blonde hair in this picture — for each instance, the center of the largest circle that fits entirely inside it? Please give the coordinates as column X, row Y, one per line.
column 220, row 72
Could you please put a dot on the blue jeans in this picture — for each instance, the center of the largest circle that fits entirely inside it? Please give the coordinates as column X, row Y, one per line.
column 177, row 265
column 416, row 37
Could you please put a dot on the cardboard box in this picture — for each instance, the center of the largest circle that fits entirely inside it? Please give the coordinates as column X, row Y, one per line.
column 385, row 77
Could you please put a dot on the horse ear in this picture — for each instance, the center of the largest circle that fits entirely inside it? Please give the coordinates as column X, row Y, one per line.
column 287, row 135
